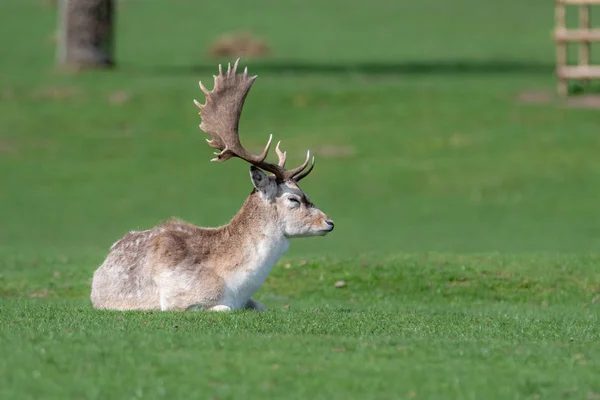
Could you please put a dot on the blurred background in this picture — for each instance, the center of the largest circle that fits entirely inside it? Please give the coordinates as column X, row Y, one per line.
column 435, row 125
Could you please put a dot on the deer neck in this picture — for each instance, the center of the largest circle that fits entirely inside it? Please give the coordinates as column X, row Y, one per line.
column 255, row 230
column 255, row 242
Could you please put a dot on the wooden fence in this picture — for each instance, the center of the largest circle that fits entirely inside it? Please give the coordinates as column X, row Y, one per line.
column 584, row 36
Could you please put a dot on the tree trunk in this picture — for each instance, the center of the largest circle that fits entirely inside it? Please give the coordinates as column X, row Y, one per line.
column 86, row 34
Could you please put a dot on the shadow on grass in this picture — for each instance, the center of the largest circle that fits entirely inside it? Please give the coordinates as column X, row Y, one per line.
column 441, row 67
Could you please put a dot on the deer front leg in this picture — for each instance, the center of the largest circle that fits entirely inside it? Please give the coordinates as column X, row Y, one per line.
column 255, row 305
column 219, row 308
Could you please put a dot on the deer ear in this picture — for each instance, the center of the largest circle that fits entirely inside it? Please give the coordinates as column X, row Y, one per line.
column 261, row 181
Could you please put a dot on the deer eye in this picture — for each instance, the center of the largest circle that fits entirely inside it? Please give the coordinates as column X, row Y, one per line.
column 294, row 200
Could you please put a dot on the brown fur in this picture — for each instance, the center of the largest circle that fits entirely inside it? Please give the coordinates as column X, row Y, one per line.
column 188, row 264
column 180, row 266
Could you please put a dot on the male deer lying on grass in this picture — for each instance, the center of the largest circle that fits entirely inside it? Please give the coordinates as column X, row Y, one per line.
column 180, row 266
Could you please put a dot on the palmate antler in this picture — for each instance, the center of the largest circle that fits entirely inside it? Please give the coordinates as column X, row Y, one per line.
column 220, row 119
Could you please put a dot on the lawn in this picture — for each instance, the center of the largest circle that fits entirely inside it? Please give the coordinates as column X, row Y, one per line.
column 466, row 214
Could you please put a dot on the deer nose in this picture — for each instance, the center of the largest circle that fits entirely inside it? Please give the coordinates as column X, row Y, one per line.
column 330, row 223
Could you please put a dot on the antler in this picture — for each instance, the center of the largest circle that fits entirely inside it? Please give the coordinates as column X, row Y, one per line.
column 220, row 120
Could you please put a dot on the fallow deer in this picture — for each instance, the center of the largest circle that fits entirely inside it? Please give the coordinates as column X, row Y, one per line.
column 180, row 266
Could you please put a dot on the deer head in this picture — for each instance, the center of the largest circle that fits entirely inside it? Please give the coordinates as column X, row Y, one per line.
column 278, row 193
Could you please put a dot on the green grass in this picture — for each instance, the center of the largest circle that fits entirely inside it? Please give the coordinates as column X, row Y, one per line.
column 429, row 326
column 466, row 219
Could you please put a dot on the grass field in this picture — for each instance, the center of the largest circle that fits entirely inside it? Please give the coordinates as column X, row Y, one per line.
column 466, row 216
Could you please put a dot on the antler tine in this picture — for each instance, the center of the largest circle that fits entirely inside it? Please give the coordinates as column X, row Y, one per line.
column 303, row 174
column 281, row 155
column 292, row 172
column 266, row 150
column 203, row 88
column 235, row 66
